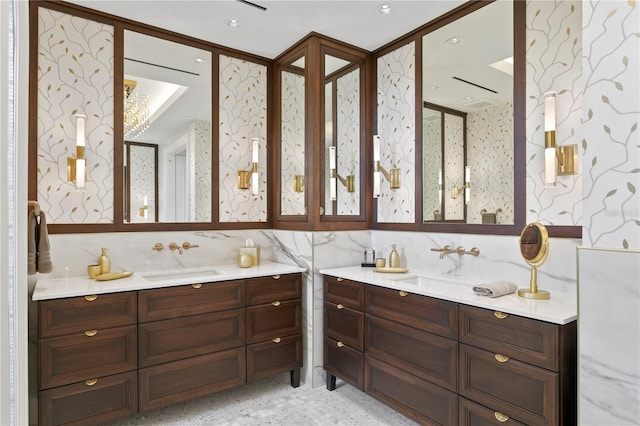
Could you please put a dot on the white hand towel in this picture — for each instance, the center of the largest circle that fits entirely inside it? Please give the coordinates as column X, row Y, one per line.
column 32, row 243
column 44, row 247
column 495, row 288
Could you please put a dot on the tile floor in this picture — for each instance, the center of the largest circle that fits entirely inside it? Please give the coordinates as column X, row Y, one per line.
column 272, row 401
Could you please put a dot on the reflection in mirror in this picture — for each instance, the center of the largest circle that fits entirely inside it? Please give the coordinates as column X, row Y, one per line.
column 292, row 144
column 140, row 182
column 168, row 104
column 468, row 67
column 342, row 136
column 432, row 164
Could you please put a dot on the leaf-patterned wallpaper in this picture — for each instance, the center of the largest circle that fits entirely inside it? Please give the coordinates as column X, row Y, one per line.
column 75, row 75
column 397, row 129
column 610, row 149
column 143, row 174
column 348, row 141
column 243, row 116
column 431, row 165
column 453, row 166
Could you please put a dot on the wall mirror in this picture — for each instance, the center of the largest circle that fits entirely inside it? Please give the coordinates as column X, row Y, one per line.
column 167, row 104
column 468, row 118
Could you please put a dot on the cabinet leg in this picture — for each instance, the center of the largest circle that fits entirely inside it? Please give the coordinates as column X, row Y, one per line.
column 331, row 381
column 295, row 378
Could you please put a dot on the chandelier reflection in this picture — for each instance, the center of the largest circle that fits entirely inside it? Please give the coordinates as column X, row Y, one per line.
column 136, row 111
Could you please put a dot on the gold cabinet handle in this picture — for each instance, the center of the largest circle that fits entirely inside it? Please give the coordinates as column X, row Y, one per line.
column 197, row 285
column 339, row 279
column 275, row 277
column 339, row 344
column 501, row 358
column 91, row 333
column 500, row 315
column 276, row 303
column 91, row 382
column 277, row 340
column 403, row 293
column 340, row 306
column 501, row 417
column 91, row 297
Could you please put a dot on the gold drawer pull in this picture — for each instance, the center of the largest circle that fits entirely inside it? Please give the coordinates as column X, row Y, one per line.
column 403, row 293
column 339, row 344
column 91, row 382
column 340, row 306
column 91, row 298
column 198, row 285
column 501, row 417
column 339, row 279
column 277, row 340
column 276, row 303
column 500, row 315
column 501, row 358
column 275, row 277
column 91, row 333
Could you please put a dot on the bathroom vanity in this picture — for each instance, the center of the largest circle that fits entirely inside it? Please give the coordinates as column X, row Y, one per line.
column 108, row 350
column 433, row 350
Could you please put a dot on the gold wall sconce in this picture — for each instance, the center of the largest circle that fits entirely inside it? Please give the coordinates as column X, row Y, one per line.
column 298, row 183
column 392, row 176
column 76, row 166
column 249, row 178
column 558, row 160
column 466, row 188
column 144, row 210
column 349, row 182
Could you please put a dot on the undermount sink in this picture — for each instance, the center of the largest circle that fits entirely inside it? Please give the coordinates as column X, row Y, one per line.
column 424, row 281
column 161, row 276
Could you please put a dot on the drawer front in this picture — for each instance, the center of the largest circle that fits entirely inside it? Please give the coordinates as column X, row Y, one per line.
column 472, row 414
column 344, row 362
column 522, row 391
column 174, row 339
column 274, row 356
column 418, row 399
column 425, row 313
column 349, row 293
column 178, row 381
column 77, row 314
column 108, row 399
column 528, row 340
column 429, row 357
column 79, row 357
column 174, row 302
column 273, row 288
column 344, row 325
column 268, row 322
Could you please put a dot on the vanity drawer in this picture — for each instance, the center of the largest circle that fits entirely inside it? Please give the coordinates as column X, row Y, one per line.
column 348, row 293
column 525, row 392
column 178, row 381
column 79, row 357
column 275, row 320
column 412, row 396
column 76, row 314
column 344, row 324
column 472, row 414
column 273, row 288
column 274, row 356
column 344, row 362
column 524, row 339
column 173, row 302
column 428, row 356
column 179, row 338
column 421, row 312
column 108, row 399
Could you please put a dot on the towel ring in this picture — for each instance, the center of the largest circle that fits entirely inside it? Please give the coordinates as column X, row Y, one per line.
column 36, row 207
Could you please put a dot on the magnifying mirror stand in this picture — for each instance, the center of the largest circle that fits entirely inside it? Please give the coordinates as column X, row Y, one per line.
column 532, row 292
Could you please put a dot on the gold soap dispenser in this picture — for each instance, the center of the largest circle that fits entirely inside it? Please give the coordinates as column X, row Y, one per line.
column 104, row 262
column 394, row 258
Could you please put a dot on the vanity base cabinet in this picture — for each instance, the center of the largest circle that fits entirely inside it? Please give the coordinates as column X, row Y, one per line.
column 472, row 414
column 344, row 362
column 275, row 356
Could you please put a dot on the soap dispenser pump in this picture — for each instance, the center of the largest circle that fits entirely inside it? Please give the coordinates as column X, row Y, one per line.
column 394, row 258
column 104, row 262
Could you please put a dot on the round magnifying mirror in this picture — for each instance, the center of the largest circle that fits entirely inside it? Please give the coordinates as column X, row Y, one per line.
column 534, row 248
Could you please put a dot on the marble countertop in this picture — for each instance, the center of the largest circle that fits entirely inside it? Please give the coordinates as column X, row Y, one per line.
column 561, row 308
column 57, row 288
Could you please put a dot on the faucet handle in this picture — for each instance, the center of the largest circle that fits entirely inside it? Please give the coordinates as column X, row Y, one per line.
column 187, row 245
column 174, row 246
column 157, row 247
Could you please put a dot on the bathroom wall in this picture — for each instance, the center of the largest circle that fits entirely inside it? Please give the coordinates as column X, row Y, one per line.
column 293, row 143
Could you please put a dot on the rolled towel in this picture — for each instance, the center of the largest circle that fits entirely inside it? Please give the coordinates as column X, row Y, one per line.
column 495, row 288
column 44, row 247
column 32, row 235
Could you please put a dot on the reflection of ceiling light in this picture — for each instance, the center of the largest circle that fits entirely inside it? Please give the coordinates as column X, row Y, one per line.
column 468, row 98
column 384, row 9
column 198, row 60
column 136, row 110
column 505, row 65
column 453, row 41
column 234, row 23
column 434, row 87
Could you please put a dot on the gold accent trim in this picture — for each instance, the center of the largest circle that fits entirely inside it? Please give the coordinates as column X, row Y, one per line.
column 196, row 286
column 567, row 160
column 501, row 358
column 91, row 333
column 550, row 139
column 340, row 306
column 91, row 297
column 276, row 303
column 298, row 183
column 501, row 417
column 91, row 382
column 500, row 315
column 275, row 277
column 340, row 344
column 403, row 293
column 339, row 279
column 277, row 340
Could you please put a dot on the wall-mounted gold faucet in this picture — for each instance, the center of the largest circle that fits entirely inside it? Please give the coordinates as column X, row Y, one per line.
column 459, row 250
column 157, row 247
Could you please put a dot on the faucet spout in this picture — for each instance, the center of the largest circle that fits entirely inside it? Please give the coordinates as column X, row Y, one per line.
column 174, row 246
column 444, row 251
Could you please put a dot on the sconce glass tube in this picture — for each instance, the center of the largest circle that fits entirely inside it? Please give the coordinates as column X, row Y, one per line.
column 467, row 185
column 250, row 178
column 550, row 139
column 333, row 184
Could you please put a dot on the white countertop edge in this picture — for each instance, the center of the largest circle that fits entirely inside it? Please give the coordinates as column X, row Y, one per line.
column 561, row 308
column 58, row 288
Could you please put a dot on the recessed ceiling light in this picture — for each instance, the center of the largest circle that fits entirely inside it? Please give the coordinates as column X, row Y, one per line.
column 384, row 9
column 234, row 23
column 198, row 60
column 453, row 41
